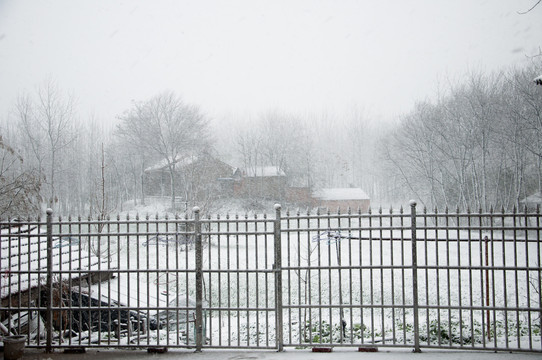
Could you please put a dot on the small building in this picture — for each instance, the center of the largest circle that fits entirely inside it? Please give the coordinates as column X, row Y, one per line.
column 23, row 259
column 195, row 177
column 342, row 198
column 269, row 182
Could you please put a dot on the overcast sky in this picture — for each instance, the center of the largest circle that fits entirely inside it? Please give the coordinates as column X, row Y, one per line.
column 250, row 56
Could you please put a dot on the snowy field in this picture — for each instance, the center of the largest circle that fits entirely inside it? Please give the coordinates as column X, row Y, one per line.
column 347, row 287
column 345, row 280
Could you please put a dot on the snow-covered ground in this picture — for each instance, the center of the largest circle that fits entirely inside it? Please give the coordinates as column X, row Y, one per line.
column 356, row 270
column 366, row 272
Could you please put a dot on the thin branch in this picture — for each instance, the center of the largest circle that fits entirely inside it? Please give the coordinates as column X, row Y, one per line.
column 532, row 7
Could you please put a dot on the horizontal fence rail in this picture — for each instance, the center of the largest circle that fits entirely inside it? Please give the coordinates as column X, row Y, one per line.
column 405, row 278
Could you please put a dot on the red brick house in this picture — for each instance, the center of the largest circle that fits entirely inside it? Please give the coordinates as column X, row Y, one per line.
column 268, row 182
column 196, row 177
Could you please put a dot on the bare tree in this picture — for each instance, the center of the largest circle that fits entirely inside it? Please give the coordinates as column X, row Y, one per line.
column 286, row 143
column 167, row 127
column 522, row 127
column 127, row 164
column 249, row 146
column 19, row 189
column 47, row 126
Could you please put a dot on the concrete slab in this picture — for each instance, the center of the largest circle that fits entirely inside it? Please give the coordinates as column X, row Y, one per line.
column 289, row 354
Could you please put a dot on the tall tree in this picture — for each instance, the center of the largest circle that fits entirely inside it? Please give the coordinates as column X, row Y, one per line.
column 47, row 122
column 19, row 188
column 168, row 128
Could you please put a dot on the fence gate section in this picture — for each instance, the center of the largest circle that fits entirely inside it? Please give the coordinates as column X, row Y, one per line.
column 239, row 277
column 85, row 283
column 348, row 280
column 479, row 280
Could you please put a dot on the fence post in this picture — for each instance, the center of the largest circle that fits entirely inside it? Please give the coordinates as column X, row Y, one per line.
column 414, row 276
column 199, row 280
column 488, row 317
column 49, row 287
column 277, row 266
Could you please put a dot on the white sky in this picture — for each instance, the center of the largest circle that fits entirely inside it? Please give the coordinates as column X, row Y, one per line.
column 247, row 56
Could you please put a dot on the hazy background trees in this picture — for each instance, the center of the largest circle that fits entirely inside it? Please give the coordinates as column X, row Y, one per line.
column 477, row 144
column 276, row 139
column 47, row 126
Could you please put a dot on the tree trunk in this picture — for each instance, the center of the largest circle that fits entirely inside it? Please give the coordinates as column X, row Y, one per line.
column 172, row 184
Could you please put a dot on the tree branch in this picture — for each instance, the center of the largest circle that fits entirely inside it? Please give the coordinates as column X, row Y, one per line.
column 532, row 7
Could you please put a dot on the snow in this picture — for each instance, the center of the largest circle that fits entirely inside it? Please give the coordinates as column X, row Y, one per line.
column 264, row 171
column 180, row 161
column 168, row 270
column 24, row 253
column 341, row 194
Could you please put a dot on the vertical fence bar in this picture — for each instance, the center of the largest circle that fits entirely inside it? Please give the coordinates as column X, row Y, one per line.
column 538, row 278
column 278, row 279
column 49, row 322
column 488, row 318
column 199, row 280
column 414, row 276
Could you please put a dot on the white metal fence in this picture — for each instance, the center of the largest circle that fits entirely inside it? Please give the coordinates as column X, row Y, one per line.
column 386, row 279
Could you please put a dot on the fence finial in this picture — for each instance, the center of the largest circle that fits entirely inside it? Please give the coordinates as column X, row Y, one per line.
column 412, row 202
column 196, row 209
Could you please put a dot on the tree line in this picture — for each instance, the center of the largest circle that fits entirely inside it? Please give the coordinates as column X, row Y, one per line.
column 477, row 144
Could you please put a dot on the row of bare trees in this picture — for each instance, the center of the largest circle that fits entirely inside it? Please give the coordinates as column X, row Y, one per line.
column 63, row 157
column 479, row 144
column 476, row 146
column 51, row 158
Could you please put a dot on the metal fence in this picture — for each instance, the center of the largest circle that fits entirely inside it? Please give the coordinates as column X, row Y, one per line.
column 387, row 279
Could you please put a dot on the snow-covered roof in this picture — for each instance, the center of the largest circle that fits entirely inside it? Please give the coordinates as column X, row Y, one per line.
column 24, row 253
column 538, row 80
column 340, row 194
column 180, row 160
column 264, row 171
